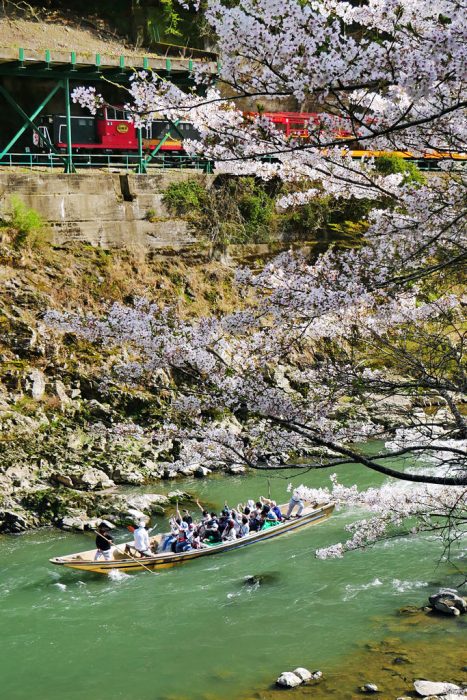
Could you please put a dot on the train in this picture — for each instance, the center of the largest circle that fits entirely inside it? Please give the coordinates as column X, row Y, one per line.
column 112, row 131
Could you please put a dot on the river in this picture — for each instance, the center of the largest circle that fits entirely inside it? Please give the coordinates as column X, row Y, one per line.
column 199, row 632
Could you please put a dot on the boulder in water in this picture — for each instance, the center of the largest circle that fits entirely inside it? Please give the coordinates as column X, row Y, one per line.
column 448, row 601
column 287, row 679
column 178, row 496
column 303, row 673
column 260, row 579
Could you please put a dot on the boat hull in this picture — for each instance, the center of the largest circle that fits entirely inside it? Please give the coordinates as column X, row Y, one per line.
column 84, row 561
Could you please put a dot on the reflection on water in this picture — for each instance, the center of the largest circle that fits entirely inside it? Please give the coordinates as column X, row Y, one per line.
column 223, row 628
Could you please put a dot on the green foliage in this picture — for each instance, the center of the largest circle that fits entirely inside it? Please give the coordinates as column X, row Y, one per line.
column 233, row 210
column 327, row 220
column 162, row 23
column 26, row 224
column 393, row 164
column 151, row 215
column 256, row 208
column 242, row 210
column 185, row 198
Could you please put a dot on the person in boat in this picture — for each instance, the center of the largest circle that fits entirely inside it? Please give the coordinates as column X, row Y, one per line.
column 181, row 535
column 270, row 520
column 197, row 542
column 182, row 544
column 273, row 506
column 141, row 545
column 224, row 519
column 204, row 512
column 255, row 520
column 235, row 516
column 201, row 527
column 230, row 533
column 186, row 517
column 295, row 500
column 212, row 532
column 247, row 515
column 104, row 542
column 168, row 543
column 190, row 533
column 244, row 527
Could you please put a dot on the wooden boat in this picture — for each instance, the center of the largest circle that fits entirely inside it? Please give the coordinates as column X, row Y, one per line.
column 311, row 515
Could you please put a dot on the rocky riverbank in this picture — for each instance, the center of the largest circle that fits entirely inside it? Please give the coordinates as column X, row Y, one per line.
column 58, row 464
column 71, row 438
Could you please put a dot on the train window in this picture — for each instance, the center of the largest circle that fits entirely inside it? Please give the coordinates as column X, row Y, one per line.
column 120, row 114
column 83, row 122
column 111, row 113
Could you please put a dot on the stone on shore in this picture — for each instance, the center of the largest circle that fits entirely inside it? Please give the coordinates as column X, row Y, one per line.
column 13, row 522
column 92, row 479
column 236, row 470
column 149, row 502
column 288, row 680
column 370, row 688
column 72, row 523
column 426, row 688
column 128, row 475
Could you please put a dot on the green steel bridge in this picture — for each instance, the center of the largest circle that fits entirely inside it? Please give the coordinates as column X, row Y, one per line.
column 21, row 67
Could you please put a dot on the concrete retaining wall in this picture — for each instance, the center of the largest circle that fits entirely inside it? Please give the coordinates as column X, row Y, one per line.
column 103, row 209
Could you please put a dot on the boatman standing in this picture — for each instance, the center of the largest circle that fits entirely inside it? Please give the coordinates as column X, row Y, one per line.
column 296, row 500
column 104, row 542
column 142, row 544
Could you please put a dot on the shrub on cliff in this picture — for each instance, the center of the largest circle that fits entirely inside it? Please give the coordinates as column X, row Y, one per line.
column 25, row 225
column 185, row 198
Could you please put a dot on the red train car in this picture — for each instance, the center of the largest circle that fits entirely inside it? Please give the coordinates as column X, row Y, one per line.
column 110, row 131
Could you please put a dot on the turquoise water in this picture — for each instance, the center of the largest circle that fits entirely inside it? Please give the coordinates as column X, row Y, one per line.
column 198, row 631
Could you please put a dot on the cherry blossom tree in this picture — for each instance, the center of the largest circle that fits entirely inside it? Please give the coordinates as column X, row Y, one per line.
column 330, row 351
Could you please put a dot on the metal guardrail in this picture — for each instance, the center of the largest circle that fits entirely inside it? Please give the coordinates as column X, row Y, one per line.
column 128, row 162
